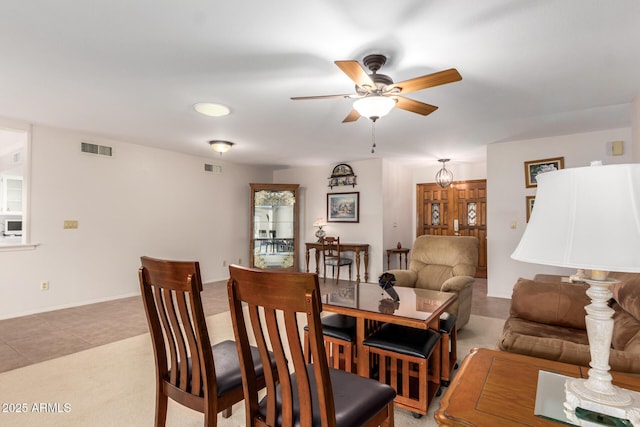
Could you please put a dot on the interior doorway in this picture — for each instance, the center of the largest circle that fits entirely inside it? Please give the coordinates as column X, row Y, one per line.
column 457, row 210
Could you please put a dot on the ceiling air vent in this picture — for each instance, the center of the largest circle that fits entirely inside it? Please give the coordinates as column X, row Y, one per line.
column 102, row 150
column 213, row 168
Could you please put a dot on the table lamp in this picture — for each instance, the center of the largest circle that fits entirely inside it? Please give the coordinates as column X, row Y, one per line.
column 320, row 233
column 589, row 218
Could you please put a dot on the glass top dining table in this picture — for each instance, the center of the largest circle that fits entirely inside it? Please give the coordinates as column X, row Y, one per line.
column 370, row 304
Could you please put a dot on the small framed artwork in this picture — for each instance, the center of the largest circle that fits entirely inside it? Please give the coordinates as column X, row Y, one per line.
column 535, row 167
column 530, row 201
column 343, row 207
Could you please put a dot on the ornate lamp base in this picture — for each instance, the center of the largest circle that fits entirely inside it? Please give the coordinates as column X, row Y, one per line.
column 596, row 393
column 615, row 402
column 320, row 234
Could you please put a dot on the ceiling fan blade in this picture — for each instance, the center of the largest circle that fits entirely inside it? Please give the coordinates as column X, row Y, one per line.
column 415, row 106
column 430, row 80
column 297, row 98
column 354, row 70
column 351, row 117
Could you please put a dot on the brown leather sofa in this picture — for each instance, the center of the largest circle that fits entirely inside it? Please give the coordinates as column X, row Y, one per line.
column 443, row 263
column 547, row 320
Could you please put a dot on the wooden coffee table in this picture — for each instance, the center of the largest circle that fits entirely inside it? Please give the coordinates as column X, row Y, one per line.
column 495, row 388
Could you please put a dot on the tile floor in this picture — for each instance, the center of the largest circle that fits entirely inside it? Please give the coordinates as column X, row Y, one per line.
column 43, row 336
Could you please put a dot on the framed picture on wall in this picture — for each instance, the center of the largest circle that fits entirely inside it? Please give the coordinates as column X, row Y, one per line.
column 530, row 201
column 535, row 167
column 343, row 207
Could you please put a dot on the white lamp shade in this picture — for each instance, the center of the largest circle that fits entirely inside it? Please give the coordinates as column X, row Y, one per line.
column 319, row 222
column 374, row 106
column 585, row 218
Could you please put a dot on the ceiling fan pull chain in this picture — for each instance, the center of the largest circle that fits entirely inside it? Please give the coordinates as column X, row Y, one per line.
column 373, row 136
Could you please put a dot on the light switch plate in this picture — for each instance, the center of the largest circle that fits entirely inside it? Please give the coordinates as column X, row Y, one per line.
column 617, row 148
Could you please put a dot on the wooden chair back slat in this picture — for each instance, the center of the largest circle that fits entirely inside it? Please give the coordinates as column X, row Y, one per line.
column 331, row 247
column 188, row 332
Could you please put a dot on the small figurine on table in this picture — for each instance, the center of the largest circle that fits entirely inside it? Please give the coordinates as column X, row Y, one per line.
column 386, row 282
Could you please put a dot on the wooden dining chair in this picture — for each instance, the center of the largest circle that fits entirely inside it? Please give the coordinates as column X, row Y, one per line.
column 331, row 255
column 313, row 394
column 189, row 370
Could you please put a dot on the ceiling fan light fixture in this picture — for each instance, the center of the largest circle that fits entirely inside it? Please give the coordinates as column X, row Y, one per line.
column 444, row 177
column 375, row 106
column 211, row 109
column 221, row 146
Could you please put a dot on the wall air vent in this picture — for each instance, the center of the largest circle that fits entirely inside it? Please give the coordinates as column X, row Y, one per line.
column 213, row 168
column 102, row 150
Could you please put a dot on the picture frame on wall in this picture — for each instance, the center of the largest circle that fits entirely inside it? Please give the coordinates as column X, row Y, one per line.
column 535, row 167
column 343, row 207
column 530, row 202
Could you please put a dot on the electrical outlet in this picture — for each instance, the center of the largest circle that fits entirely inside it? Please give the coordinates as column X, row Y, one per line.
column 44, row 285
column 239, row 261
column 224, row 262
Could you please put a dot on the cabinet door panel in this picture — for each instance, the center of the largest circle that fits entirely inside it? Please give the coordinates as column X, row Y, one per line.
column 274, row 226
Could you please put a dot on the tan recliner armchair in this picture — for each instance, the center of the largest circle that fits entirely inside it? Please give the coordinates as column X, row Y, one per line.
column 443, row 263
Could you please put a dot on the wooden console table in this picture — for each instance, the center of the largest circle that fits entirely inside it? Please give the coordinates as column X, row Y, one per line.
column 495, row 388
column 357, row 248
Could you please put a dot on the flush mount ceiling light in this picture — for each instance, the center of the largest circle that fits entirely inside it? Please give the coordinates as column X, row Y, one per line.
column 211, row 110
column 444, row 177
column 221, row 146
column 374, row 106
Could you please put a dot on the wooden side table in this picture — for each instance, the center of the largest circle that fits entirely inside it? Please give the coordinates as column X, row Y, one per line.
column 495, row 388
column 400, row 252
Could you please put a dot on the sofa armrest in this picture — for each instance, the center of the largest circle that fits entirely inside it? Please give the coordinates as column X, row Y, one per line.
column 406, row 278
column 456, row 283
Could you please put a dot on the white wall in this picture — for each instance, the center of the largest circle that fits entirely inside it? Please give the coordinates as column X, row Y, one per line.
column 506, row 194
column 398, row 194
column 313, row 204
column 142, row 201
column 161, row 203
column 635, row 130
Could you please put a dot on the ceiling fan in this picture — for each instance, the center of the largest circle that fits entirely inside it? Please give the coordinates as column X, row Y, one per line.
column 376, row 94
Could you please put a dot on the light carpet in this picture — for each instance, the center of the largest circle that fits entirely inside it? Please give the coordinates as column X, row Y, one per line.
column 114, row 384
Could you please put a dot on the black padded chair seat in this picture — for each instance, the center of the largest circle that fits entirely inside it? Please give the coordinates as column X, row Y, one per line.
column 356, row 398
column 338, row 326
column 228, row 372
column 447, row 322
column 404, row 340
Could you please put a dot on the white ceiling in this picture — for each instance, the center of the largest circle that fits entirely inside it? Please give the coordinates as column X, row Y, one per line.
column 132, row 69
